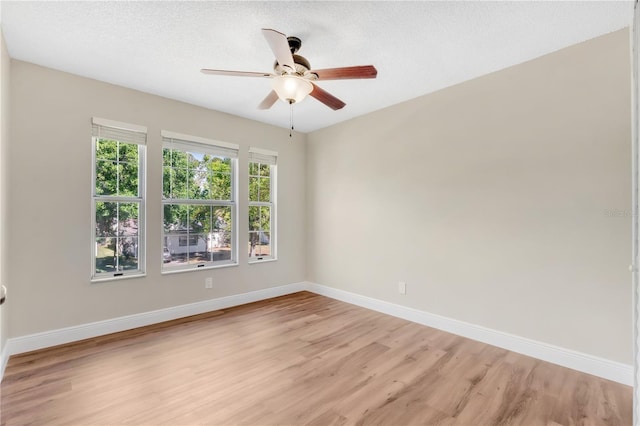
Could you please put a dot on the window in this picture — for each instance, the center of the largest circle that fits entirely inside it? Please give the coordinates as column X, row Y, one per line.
column 192, row 240
column 262, row 201
column 118, row 205
column 198, row 197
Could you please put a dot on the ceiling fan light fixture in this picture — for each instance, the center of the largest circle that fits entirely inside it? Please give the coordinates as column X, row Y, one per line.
column 291, row 89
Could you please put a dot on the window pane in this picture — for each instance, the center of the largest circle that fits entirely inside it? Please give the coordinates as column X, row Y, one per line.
column 116, row 168
column 254, row 218
column 199, row 223
column 178, row 158
column 199, row 219
column 265, row 170
column 176, row 217
column 197, row 185
column 219, row 178
column 205, row 237
column 127, row 152
column 105, row 255
column 179, row 183
column 259, row 244
column 254, row 188
column 253, row 242
column 202, row 224
column 116, row 219
column 128, row 253
column 264, row 244
column 106, row 219
column 128, row 179
column 128, row 214
column 198, row 248
column 220, row 186
column 196, row 176
column 106, row 150
column 259, row 231
column 166, row 157
column 265, row 218
column 253, row 169
column 218, row 164
column 106, row 177
column 194, row 159
column 166, row 182
column 176, row 235
column 220, row 244
column 265, row 189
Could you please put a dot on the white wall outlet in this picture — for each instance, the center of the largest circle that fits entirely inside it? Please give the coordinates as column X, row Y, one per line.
column 402, row 287
column 208, row 282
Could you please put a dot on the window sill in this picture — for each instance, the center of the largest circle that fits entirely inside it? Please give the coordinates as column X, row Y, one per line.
column 121, row 277
column 203, row 268
column 256, row 262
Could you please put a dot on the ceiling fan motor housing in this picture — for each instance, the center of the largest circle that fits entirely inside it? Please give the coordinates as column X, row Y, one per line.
column 302, row 66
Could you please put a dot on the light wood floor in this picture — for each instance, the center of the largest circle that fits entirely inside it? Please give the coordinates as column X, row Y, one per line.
column 299, row 359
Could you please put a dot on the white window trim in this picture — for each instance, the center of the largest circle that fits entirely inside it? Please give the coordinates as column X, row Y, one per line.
column 264, row 156
column 142, row 196
column 196, row 142
column 118, row 125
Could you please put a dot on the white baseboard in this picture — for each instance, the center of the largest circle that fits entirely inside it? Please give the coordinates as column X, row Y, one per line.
column 611, row 370
column 596, row 366
column 61, row 336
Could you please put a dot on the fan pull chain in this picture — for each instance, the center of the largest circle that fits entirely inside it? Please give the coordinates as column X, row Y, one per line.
column 291, row 118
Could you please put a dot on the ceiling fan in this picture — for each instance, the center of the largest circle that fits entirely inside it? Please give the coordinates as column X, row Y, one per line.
column 292, row 77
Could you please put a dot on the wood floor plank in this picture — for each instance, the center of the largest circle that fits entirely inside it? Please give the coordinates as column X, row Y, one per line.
column 298, row 359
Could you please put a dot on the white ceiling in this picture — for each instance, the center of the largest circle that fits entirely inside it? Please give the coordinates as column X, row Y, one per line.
column 417, row 47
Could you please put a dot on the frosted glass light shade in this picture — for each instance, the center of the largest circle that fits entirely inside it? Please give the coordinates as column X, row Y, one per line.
column 290, row 88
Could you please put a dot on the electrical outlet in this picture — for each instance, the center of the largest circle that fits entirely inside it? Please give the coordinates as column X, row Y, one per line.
column 208, row 282
column 402, row 287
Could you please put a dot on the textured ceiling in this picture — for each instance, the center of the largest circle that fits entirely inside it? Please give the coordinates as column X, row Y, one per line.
column 417, row 47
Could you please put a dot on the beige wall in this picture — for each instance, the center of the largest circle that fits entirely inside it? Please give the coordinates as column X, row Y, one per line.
column 50, row 233
column 5, row 71
column 488, row 198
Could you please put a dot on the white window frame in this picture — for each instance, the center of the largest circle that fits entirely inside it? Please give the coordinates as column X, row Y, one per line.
column 203, row 145
column 264, row 156
column 126, row 133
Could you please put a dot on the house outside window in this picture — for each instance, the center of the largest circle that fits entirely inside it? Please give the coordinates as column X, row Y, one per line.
column 199, row 202
column 262, row 204
column 118, row 199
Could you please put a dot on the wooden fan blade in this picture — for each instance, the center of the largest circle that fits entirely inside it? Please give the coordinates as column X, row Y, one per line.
column 280, row 47
column 326, row 98
column 236, row 73
column 268, row 102
column 360, row 71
